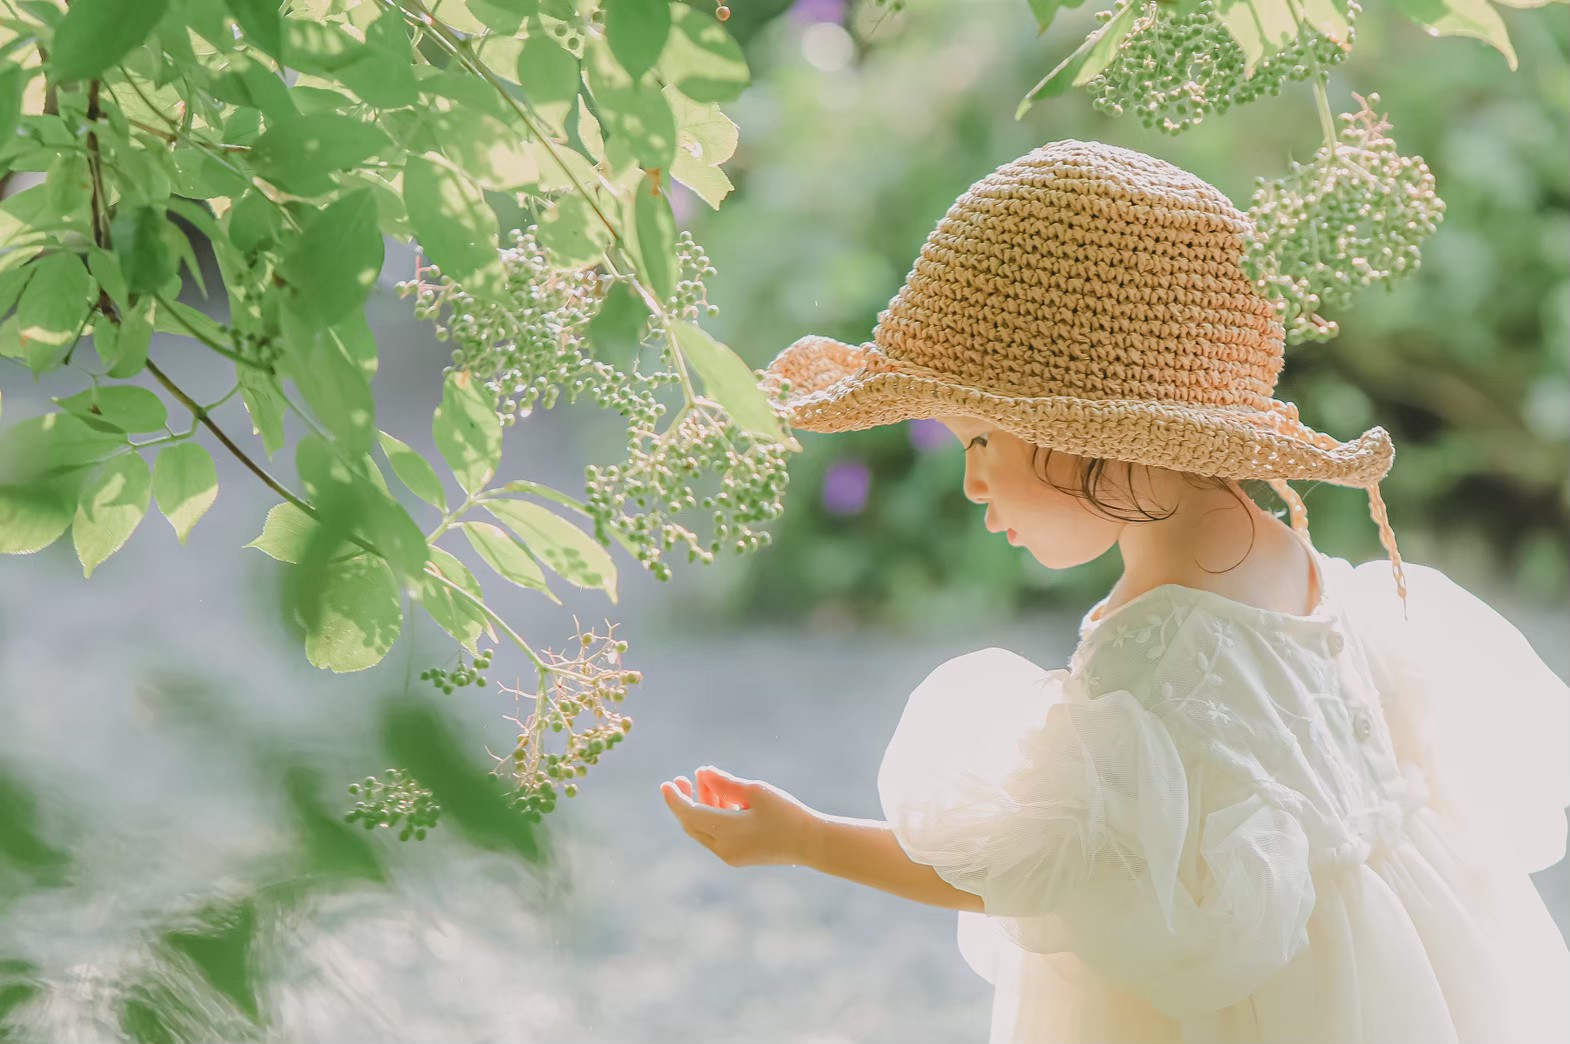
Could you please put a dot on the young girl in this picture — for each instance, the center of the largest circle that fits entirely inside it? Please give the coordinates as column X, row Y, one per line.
column 1273, row 796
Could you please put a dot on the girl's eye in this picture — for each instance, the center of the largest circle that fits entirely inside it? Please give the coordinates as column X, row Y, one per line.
column 979, row 438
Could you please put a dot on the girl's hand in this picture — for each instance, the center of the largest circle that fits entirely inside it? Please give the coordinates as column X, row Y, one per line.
column 743, row 821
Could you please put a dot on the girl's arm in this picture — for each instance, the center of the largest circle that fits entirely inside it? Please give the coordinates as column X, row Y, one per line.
column 751, row 823
column 866, row 851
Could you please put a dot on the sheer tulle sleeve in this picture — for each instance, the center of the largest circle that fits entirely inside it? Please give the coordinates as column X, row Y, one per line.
column 1068, row 816
column 1474, row 713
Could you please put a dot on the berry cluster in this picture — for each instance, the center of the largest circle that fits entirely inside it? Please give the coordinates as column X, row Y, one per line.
column 460, row 676
column 573, row 700
column 1347, row 219
column 1179, row 62
column 395, row 798
column 657, row 479
column 533, row 345
column 536, row 344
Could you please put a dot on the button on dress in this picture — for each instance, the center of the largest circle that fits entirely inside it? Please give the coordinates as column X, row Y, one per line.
column 1223, row 823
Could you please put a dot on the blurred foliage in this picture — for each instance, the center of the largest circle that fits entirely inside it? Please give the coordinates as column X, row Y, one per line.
column 864, row 125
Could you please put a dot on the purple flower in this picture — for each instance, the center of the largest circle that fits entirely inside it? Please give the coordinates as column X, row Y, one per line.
column 805, row 12
column 845, row 487
column 927, row 434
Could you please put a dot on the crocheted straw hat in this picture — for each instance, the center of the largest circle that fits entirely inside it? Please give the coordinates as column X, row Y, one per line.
column 1091, row 299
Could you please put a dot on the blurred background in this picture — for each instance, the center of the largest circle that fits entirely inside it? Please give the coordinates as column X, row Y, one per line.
column 173, row 773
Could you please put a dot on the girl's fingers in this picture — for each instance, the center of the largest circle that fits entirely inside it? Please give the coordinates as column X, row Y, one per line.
column 679, row 801
column 684, row 785
column 728, row 791
column 705, row 792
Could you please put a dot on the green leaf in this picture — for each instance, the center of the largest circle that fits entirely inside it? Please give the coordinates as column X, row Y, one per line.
column 12, row 282
column 96, row 34
column 550, row 76
column 119, row 407
column 414, row 471
column 51, row 445
column 635, row 118
column 126, row 352
column 505, row 555
column 457, row 615
column 637, row 30
column 248, row 83
column 656, row 240
column 359, row 615
column 467, row 431
column 105, row 268
column 1044, row 10
column 454, row 224
column 570, row 552
column 705, row 138
column 259, row 20
column 384, row 77
column 1475, row 18
column 112, row 506
column 44, row 461
column 490, row 151
column 572, row 234
column 333, row 265
column 264, row 402
column 285, row 534
column 144, row 253
column 1070, row 69
column 299, row 154
column 185, row 484
column 1260, row 27
column 1329, row 18
column 1111, row 38
column 32, row 516
column 349, row 503
column 729, row 381
column 701, row 58
column 12, row 80
column 505, row 16
column 52, row 309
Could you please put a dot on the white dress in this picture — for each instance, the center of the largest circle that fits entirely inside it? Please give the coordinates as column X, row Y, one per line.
column 1224, row 823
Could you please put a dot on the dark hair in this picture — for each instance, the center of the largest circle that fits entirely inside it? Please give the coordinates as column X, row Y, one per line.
column 1091, row 472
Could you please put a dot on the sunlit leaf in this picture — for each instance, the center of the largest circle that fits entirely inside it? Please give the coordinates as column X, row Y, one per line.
column 1068, row 72
column 550, row 76
column 637, row 30
column 1475, row 18
column 455, row 226
column 333, row 265
column 572, row 233
column 729, row 381
column 299, row 154
column 359, row 616
column 457, row 615
column 701, row 58
column 414, row 471
column 505, row 555
column 118, row 407
column 567, row 550
column 53, row 307
column 467, row 431
column 185, row 485
column 285, row 533
column 113, row 504
column 96, row 33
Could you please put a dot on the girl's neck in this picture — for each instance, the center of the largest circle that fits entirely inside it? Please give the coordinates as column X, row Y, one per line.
column 1213, row 543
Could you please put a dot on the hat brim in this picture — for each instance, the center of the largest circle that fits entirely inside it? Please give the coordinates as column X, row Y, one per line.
column 834, row 390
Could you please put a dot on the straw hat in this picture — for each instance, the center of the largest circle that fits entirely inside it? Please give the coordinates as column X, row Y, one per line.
column 1089, row 298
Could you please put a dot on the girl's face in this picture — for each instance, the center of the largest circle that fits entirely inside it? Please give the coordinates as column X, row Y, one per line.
column 1060, row 530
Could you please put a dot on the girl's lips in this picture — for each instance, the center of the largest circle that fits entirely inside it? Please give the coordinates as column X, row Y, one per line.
column 1011, row 536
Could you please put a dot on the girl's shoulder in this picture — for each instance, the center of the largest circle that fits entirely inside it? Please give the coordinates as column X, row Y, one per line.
column 1174, row 630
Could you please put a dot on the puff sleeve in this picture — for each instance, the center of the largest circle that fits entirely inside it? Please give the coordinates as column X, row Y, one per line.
column 1476, row 717
column 1068, row 814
